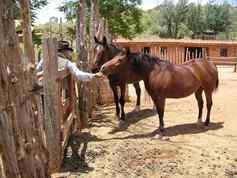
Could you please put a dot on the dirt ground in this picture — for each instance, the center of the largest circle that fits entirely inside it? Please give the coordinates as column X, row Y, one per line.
column 186, row 151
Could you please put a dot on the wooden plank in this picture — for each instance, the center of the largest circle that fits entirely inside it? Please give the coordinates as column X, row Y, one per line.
column 224, row 62
column 66, row 129
column 62, row 74
column 51, row 104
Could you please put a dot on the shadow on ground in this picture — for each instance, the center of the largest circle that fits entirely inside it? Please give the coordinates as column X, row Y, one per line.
column 132, row 118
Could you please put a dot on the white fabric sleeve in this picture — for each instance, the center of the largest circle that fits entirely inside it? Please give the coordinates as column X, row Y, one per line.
column 39, row 66
column 80, row 75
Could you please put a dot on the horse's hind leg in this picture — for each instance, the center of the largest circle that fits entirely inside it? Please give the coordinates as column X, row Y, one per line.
column 160, row 107
column 138, row 92
column 198, row 95
column 208, row 95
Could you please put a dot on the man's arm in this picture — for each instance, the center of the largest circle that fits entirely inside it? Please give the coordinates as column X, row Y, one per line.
column 80, row 75
column 39, row 66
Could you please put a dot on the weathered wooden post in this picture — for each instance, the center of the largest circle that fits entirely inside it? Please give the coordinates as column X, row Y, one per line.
column 27, row 34
column 51, row 104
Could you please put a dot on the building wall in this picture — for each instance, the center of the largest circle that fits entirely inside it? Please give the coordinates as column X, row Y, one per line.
column 215, row 51
column 176, row 54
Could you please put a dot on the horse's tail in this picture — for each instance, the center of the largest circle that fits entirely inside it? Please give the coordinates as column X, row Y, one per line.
column 217, row 83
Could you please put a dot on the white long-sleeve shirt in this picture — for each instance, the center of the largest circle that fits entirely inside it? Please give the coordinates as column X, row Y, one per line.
column 66, row 64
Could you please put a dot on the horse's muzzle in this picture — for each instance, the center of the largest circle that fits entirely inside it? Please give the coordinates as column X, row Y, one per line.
column 104, row 70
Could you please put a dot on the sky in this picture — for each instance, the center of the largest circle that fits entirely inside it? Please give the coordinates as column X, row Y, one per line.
column 51, row 9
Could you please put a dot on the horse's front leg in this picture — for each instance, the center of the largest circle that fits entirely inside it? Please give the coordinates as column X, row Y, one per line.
column 122, row 100
column 116, row 99
column 138, row 92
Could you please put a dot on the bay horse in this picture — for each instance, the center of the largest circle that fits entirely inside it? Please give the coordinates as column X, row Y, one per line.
column 163, row 79
column 103, row 53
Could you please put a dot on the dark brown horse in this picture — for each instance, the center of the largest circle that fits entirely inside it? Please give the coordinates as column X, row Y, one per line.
column 103, row 53
column 165, row 80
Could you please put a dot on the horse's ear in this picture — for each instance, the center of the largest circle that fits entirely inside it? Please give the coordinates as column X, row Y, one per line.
column 104, row 42
column 96, row 40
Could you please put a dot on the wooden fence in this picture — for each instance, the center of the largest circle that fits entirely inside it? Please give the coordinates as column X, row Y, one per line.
column 177, row 56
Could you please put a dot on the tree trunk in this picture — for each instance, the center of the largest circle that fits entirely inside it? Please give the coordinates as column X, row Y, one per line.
column 94, row 17
column 21, row 147
column 82, row 62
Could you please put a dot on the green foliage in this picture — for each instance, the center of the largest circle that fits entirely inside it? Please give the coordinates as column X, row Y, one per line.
column 123, row 16
column 195, row 19
column 69, row 8
column 184, row 19
column 218, row 17
column 34, row 6
column 37, row 37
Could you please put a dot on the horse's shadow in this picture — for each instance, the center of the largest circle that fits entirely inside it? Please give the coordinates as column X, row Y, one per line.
column 74, row 159
column 132, row 118
column 191, row 128
column 183, row 129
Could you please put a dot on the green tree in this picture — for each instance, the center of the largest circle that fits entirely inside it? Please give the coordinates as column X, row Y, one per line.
column 36, row 5
column 172, row 17
column 195, row 18
column 218, row 18
column 123, row 16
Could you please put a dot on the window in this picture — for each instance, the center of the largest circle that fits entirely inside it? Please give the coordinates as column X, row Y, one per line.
column 163, row 50
column 223, row 52
column 192, row 53
column 146, row 50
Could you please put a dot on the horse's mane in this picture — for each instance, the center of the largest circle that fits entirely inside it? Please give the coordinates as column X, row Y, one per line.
column 114, row 48
column 142, row 60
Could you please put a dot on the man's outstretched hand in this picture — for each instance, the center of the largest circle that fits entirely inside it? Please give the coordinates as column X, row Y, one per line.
column 99, row 75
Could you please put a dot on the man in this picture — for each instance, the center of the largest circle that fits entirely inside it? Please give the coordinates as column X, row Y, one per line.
column 64, row 62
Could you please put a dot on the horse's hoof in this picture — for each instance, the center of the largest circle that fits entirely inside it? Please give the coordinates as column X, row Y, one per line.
column 158, row 136
column 206, row 124
column 199, row 123
column 136, row 109
column 121, row 123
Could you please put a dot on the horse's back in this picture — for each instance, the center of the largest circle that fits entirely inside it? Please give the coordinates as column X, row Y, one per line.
column 205, row 71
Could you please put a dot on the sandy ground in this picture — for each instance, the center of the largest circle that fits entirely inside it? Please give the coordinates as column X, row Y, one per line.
column 186, row 150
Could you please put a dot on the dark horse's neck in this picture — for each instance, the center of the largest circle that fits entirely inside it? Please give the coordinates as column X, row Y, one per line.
column 113, row 51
